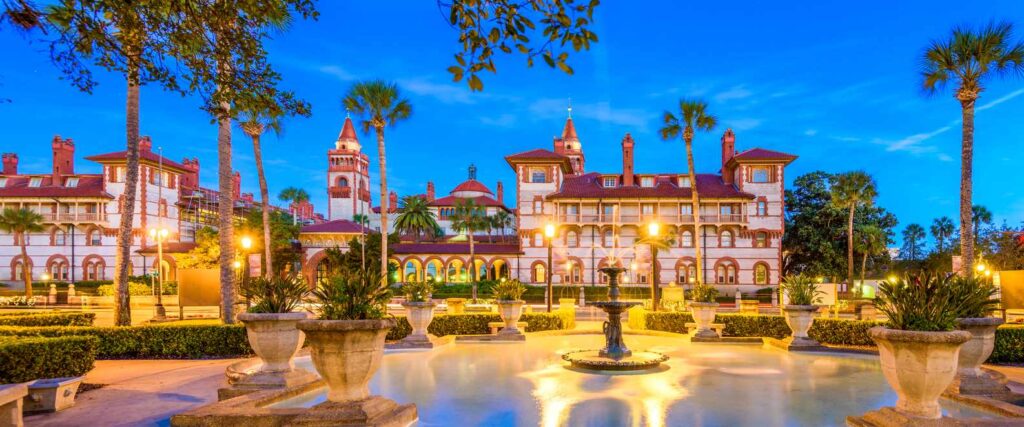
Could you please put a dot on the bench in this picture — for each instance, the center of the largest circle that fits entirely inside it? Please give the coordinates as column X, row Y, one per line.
column 495, row 326
column 717, row 327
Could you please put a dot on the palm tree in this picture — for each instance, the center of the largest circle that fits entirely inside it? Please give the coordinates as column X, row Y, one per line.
column 363, row 221
column 693, row 116
column 469, row 218
column 254, row 124
column 967, row 58
column 293, row 195
column 942, row 229
column 20, row 222
column 849, row 191
column 911, row 236
column 416, row 217
column 381, row 105
column 872, row 242
column 503, row 221
column 657, row 242
column 980, row 215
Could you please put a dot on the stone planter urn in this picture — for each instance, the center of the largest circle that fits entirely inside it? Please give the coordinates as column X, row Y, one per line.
column 971, row 378
column 346, row 354
column 274, row 338
column 510, row 312
column 419, row 315
column 704, row 315
column 799, row 318
column 918, row 366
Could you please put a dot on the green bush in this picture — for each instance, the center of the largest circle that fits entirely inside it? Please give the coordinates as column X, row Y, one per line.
column 843, row 332
column 476, row 323
column 1009, row 345
column 47, row 319
column 181, row 340
column 739, row 325
column 28, row 359
column 137, row 289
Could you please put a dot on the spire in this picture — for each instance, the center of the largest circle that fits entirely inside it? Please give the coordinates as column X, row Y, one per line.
column 347, row 139
column 472, row 172
column 569, row 133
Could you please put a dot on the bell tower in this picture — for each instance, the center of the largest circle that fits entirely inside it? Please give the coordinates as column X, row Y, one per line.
column 569, row 145
column 348, row 176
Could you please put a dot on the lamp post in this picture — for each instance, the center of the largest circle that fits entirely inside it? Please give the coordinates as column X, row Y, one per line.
column 653, row 229
column 549, row 233
column 159, row 233
column 246, row 245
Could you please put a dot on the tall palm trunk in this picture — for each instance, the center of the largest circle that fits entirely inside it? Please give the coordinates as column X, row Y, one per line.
column 655, row 299
column 967, row 100
column 226, row 214
column 863, row 268
column 849, row 246
column 122, row 258
column 26, row 272
column 472, row 264
column 264, row 204
column 384, row 208
column 698, row 251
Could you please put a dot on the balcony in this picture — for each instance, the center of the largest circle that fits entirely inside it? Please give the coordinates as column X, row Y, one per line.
column 73, row 217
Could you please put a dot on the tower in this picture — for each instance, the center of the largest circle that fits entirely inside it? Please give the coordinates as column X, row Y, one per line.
column 348, row 176
column 569, row 145
column 63, row 158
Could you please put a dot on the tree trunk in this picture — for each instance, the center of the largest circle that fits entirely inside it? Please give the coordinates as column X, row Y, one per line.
column 966, row 185
column 472, row 264
column 384, row 208
column 226, row 214
column 849, row 246
column 122, row 298
column 264, row 205
column 26, row 272
column 696, row 213
column 863, row 268
column 655, row 300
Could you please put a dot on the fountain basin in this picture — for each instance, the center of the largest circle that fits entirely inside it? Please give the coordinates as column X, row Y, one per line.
column 593, row 360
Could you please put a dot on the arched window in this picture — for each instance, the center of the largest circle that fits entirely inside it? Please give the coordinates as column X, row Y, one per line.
column 93, row 237
column 322, row 271
column 577, row 273
column 687, row 239
column 572, row 239
column 691, row 274
column 58, row 270
column 725, row 240
column 540, row 274
column 17, row 270
column 608, row 237
column 761, row 239
column 342, row 181
column 725, row 272
column 760, row 274
column 59, row 238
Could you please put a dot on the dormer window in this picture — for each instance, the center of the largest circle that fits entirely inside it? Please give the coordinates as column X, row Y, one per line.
column 684, row 182
column 71, row 182
column 35, row 182
column 610, row 182
column 3, row 182
column 647, row 181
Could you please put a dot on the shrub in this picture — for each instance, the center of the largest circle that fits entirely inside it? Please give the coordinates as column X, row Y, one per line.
column 53, row 318
column 843, row 332
column 476, row 323
column 702, row 292
column 179, row 340
column 17, row 301
column 674, row 321
column 417, row 291
column 1009, row 345
column 918, row 303
column 275, row 294
column 801, row 290
column 28, row 359
column 353, row 296
column 137, row 289
column 974, row 297
column 509, row 290
column 739, row 325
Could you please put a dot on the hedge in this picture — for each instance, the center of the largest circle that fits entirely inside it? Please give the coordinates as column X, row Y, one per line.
column 47, row 319
column 167, row 341
column 476, row 323
column 29, row 359
column 1009, row 345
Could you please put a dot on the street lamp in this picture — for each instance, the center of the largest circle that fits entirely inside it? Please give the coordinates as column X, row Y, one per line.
column 246, row 245
column 159, row 233
column 653, row 229
column 549, row 233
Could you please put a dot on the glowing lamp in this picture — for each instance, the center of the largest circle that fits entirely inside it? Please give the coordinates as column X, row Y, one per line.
column 549, row 230
column 45, row 277
column 892, row 278
column 653, row 229
column 246, row 242
column 238, row 265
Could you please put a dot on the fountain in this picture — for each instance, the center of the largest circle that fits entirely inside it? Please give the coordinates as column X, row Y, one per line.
column 615, row 356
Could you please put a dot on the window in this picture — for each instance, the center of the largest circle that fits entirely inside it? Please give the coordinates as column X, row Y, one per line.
column 641, row 277
column 761, row 240
column 94, row 270
column 762, row 208
column 611, row 181
column 538, row 206
column 71, row 182
column 687, row 273
column 538, row 175
column 93, row 238
column 3, row 181
column 684, row 182
column 725, row 209
column 647, row 209
column 686, row 211
column 725, row 240
column 759, row 174
column 117, row 174
column 572, row 239
column 609, row 238
column 35, row 182
column 760, row 274
column 19, row 270
column 59, row 270
column 539, row 274
column 725, row 273
column 608, row 211
column 687, row 239
column 342, row 181
column 647, row 181
column 572, row 209
column 59, row 238
column 538, row 239
column 162, row 208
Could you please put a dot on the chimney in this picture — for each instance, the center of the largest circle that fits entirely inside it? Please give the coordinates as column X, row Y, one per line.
column 430, row 191
column 392, row 202
column 237, row 188
column 10, row 163
column 627, row 160
column 728, row 150
column 501, row 193
column 145, row 144
column 63, row 158
column 190, row 179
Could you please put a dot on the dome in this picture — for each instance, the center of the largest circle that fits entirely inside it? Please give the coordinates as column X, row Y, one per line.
column 471, row 188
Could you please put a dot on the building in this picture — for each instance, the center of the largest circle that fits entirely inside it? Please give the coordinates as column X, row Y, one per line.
column 599, row 217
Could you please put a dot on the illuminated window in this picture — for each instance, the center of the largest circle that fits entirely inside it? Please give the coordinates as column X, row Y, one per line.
column 761, row 240
column 539, row 274
column 761, row 274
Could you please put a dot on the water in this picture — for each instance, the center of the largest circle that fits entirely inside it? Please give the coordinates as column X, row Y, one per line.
column 526, row 384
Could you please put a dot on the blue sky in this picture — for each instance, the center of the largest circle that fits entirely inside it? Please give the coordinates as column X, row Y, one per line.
column 836, row 85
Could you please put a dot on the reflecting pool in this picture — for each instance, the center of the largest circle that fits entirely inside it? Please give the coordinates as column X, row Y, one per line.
column 527, row 383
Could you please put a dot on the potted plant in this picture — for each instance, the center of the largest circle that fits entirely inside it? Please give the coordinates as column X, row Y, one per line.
column 347, row 339
column 508, row 295
column 920, row 347
column 419, row 310
column 975, row 298
column 802, row 293
column 270, row 322
column 703, row 309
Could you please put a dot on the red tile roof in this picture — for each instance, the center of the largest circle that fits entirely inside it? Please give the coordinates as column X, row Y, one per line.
column 540, row 155
column 144, row 155
column 481, row 201
column 762, row 154
column 336, row 226
column 347, row 130
column 454, row 249
column 88, row 186
column 472, row 185
column 589, row 186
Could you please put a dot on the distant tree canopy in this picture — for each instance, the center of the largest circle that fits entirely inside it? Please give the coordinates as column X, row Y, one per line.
column 815, row 239
column 283, row 232
column 206, row 253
